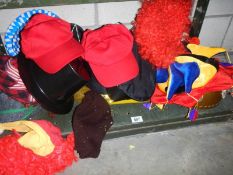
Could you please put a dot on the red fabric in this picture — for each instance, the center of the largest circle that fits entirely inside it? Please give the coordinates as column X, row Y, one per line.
column 221, row 81
column 159, row 27
column 49, row 42
column 108, row 50
column 15, row 159
column 194, row 40
column 6, row 82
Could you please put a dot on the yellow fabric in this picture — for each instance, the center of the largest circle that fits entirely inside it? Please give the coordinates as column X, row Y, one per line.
column 129, row 101
column 160, row 106
column 35, row 138
column 79, row 95
column 207, row 71
column 111, row 102
column 205, row 51
column 162, row 86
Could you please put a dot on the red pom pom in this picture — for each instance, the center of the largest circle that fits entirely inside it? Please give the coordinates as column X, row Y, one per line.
column 159, row 26
column 15, row 159
column 194, row 40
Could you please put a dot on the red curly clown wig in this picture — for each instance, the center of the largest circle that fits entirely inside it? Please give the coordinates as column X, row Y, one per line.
column 18, row 160
column 159, row 27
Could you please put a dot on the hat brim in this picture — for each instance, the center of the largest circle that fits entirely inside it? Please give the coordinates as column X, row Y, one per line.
column 117, row 73
column 142, row 86
column 30, row 74
column 65, row 54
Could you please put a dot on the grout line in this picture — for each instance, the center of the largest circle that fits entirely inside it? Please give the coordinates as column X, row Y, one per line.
column 96, row 14
column 219, row 16
column 225, row 34
column 2, row 34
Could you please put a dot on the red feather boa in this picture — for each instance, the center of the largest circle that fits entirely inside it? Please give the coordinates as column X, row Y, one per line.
column 159, row 27
column 15, row 159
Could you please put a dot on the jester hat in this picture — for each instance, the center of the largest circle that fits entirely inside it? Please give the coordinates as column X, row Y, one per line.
column 190, row 71
column 213, row 76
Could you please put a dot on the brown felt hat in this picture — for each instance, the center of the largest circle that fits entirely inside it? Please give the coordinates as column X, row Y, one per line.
column 91, row 120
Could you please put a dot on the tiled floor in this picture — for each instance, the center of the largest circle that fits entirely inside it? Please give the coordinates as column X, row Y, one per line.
column 201, row 150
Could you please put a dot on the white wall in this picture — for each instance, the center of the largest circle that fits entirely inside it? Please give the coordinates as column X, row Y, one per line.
column 217, row 27
column 85, row 15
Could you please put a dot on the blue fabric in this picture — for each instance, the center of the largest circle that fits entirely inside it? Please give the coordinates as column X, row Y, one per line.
column 12, row 37
column 190, row 72
column 176, row 81
column 161, row 75
column 225, row 64
column 147, row 105
column 182, row 74
column 193, row 114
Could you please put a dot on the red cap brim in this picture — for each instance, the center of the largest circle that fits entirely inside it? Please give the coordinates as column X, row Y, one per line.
column 117, row 73
column 63, row 55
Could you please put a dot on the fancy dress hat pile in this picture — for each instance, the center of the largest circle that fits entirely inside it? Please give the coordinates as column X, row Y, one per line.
column 50, row 62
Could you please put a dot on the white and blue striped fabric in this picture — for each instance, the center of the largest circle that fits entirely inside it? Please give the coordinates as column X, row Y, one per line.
column 12, row 37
